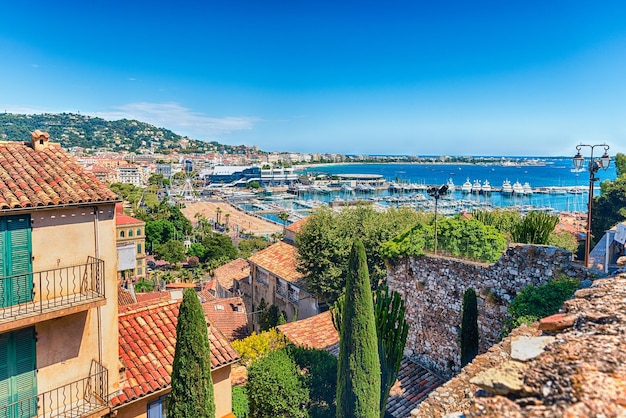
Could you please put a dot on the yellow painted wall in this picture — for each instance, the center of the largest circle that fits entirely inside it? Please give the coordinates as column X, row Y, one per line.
column 66, row 346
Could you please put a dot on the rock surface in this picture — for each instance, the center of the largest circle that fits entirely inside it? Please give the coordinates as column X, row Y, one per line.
column 581, row 373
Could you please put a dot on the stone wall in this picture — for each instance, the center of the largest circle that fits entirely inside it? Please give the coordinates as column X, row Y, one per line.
column 433, row 288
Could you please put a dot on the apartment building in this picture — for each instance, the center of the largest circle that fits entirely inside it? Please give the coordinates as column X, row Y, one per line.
column 131, row 246
column 58, row 333
column 274, row 278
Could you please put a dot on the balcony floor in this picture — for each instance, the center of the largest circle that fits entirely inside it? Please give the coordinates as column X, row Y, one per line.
column 25, row 314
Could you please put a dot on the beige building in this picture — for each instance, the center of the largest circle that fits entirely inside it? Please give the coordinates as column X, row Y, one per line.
column 274, row 278
column 131, row 246
column 58, row 344
column 147, row 341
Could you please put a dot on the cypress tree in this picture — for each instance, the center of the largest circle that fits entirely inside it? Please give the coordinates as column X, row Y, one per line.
column 392, row 329
column 469, row 327
column 192, row 385
column 358, row 373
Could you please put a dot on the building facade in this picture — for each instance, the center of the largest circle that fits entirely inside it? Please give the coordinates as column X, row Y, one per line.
column 57, row 284
column 131, row 246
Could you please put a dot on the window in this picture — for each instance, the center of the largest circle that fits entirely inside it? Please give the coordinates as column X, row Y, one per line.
column 122, row 234
column 130, row 232
column 138, row 248
column 158, row 408
column 281, row 287
column 138, row 232
column 262, row 277
column 294, row 294
column 139, row 271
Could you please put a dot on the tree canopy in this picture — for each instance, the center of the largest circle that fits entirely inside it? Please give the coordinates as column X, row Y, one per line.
column 326, row 238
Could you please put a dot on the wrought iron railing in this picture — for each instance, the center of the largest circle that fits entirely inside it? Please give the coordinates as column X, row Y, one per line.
column 80, row 398
column 43, row 291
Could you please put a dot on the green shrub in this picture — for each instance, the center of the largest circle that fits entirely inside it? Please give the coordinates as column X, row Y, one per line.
column 276, row 388
column 459, row 237
column 240, row 402
column 536, row 302
column 535, row 228
column 258, row 345
column 319, row 369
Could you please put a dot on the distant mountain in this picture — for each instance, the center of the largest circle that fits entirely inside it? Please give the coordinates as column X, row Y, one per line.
column 75, row 130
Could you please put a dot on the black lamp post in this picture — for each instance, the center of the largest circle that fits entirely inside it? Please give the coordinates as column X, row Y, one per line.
column 594, row 165
column 437, row 193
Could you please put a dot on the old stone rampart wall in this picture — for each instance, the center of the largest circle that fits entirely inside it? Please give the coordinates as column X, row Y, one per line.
column 433, row 288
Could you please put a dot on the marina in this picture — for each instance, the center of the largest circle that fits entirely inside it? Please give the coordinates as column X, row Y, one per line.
column 550, row 186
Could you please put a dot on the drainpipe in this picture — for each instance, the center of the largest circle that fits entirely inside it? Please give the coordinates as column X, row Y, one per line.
column 97, row 254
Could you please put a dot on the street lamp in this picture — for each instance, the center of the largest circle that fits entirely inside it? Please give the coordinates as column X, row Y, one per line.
column 437, row 192
column 594, row 165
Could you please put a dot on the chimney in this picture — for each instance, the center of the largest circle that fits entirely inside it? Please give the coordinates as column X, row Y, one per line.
column 40, row 140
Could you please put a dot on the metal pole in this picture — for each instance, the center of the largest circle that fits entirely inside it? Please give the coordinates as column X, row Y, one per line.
column 589, row 205
column 436, row 200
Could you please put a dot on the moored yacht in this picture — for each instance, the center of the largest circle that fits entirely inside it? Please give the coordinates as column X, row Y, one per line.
column 507, row 189
column 476, row 187
column 467, row 186
column 527, row 189
column 518, row 188
column 486, row 187
column 451, row 186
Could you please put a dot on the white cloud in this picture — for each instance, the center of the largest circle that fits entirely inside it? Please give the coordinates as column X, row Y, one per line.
column 179, row 119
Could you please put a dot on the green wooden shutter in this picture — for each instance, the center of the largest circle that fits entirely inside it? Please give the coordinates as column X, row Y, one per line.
column 18, row 378
column 3, row 264
column 25, row 380
column 5, row 392
column 16, row 260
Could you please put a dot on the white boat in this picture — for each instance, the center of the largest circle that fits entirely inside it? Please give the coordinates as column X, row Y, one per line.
column 476, row 187
column 451, row 186
column 486, row 187
column 507, row 189
column 346, row 188
column 527, row 189
column 467, row 186
column 518, row 188
column 578, row 170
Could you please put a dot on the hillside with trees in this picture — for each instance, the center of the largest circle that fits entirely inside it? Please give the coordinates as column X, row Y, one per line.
column 93, row 133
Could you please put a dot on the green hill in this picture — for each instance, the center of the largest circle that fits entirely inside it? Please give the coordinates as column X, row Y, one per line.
column 91, row 133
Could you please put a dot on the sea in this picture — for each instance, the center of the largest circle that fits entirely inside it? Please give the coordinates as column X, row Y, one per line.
column 557, row 186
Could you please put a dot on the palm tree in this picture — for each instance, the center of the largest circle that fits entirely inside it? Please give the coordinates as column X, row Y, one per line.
column 283, row 216
column 227, row 216
column 218, row 213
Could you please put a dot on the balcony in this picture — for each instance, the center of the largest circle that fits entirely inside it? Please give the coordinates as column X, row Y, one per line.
column 85, row 397
column 39, row 296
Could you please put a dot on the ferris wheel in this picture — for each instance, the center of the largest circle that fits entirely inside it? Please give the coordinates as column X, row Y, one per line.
column 183, row 185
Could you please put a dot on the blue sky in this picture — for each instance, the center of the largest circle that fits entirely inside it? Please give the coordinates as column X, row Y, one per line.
column 399, row 77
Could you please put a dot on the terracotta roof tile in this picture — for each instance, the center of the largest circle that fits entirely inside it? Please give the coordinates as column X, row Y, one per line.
column 238, row 269
column 229, row 316
column 314, row 332
column 48, row 177
column 147, row 341
column 279, row 259
column 297, row 225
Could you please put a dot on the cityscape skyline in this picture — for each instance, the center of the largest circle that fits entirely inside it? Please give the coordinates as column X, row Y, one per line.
column 407, row 78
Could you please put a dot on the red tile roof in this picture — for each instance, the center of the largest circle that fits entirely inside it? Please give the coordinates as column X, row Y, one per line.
column 279, row 259
column 147, row 341
column 122, row 219
column 297, row 225
column 238, row 269
column 48, row 177
column 412, row 387
column 229, row 316
column 314, row 332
